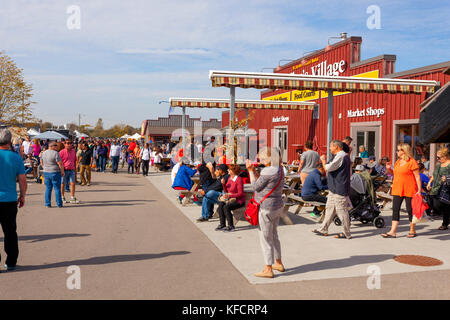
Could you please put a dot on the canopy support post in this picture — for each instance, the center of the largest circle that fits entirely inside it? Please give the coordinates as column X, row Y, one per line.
column 183, row 127
column 246, row 135
column 230, row 142
column 330, row 122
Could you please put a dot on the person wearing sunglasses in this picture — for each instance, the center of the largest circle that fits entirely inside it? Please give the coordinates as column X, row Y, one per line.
column 405, row 185
column 439, row 186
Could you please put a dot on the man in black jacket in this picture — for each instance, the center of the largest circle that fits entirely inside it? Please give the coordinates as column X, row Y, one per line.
column 338, row 178
column 214, row 190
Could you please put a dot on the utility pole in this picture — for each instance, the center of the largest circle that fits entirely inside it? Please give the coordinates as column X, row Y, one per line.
column 23, row 107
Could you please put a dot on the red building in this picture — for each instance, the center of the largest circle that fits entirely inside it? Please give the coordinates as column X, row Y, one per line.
column 378, row 121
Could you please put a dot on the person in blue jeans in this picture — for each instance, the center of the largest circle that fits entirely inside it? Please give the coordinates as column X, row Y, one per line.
column 11, row 170
column 53, row 171
column 314, row 183
column 213, row 192
column 102, row 153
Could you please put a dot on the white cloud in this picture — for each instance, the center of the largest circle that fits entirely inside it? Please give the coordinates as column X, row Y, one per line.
column 166, row 51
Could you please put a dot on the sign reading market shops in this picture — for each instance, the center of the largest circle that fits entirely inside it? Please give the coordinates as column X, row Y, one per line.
column 365, row 112
column 280, row 119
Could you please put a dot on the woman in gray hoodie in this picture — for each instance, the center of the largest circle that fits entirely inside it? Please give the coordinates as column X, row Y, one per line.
column 270, row 178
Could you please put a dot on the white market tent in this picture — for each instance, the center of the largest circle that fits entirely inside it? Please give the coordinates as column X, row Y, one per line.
column 32, row 132
column 136, row 136
column 50, row 135
column 125, row 136
column 80, row 135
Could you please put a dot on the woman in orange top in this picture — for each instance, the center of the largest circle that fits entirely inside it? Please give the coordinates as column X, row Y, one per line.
column 405, row 185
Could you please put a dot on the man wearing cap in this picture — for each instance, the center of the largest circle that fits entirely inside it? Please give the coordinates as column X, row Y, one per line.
column 371, row 166
column 11, row 169
column 214, row 190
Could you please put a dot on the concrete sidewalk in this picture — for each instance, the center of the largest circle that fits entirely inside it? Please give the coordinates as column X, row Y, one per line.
column 310, row 257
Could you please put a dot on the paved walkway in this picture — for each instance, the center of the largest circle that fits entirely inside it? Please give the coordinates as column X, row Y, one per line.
column 132, row 241
column 310, row 257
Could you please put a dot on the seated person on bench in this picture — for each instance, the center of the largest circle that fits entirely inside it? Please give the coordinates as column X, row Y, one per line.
column 233, row 188
column 313, row 184
column 212, row 193
column 183, row 179
column 206, row 172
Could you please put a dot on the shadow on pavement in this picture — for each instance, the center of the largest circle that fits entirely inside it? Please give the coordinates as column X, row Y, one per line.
column 336, row 264
column 102, row 260
column 110, row 190
column 45, row 237
column 110, row 203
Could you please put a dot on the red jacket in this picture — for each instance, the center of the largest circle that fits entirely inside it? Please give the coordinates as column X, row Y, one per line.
column 235, row 189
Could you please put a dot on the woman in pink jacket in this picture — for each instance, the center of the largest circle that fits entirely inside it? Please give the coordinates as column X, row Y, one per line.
column 234, row 189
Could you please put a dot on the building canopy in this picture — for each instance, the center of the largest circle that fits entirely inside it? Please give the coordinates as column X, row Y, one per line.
column 286, row 81
column 241, row 104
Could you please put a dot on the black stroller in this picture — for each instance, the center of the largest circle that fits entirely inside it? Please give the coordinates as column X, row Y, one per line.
column 364, row 209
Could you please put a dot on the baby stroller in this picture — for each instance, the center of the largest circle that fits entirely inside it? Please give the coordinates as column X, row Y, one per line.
column 365, row 208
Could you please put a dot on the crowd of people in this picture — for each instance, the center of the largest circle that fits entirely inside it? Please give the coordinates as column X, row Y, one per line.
column 343, row 180
column 61, row 165
column 223, row 185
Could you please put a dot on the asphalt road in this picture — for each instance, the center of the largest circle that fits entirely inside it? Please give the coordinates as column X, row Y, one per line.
column 128, row 242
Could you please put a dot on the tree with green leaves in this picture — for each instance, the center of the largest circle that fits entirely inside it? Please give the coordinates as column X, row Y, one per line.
column 15, row 93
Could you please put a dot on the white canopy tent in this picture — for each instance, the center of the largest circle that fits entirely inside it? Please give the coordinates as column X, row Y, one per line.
column 80, row 135
column 32, row 132
column 125, row 136
column 50, row 135
column 136, row 136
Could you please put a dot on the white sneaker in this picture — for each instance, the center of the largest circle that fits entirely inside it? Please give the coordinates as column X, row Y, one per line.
column 74, row 200
column 65, row 200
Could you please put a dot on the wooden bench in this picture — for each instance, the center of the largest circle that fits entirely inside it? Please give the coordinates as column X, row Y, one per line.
column 297, row 200
column 189, row 193
column 238, row 214
column 386, row 197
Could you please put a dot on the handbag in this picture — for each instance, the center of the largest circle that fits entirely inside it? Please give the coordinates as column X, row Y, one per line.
column 252, row 211
column 444, row 193
column 419, row 206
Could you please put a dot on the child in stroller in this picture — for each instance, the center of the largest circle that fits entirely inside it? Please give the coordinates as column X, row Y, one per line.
column 363, row 198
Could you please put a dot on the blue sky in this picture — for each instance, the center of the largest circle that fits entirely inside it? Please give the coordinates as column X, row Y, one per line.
column 128, row 55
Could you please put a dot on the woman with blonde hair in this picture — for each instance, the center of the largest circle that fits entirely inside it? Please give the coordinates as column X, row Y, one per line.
column 439, row 181
column 269, row 185
column 406, row 184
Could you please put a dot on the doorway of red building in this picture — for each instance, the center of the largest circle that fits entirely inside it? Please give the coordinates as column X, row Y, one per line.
column 281, row 141
column 367, row 134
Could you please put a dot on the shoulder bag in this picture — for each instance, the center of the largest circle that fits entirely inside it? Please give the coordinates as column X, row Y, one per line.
column 252, row 211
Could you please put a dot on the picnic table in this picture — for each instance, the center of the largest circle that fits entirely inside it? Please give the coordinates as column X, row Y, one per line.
column 189, row 193
column 385, row 194
column 292, row 168
column 292, row 181
column 249, row 194
column 298, row 200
